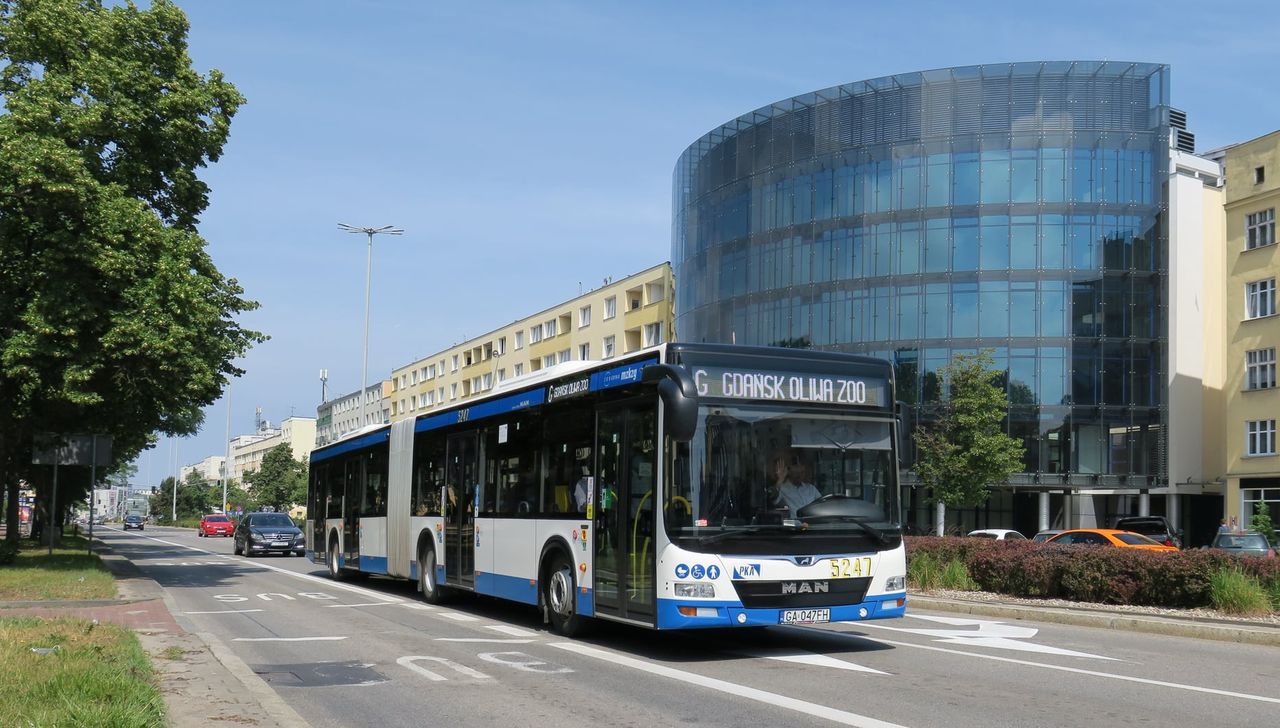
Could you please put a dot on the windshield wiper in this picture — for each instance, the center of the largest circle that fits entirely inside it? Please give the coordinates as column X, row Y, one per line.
column 862, row 525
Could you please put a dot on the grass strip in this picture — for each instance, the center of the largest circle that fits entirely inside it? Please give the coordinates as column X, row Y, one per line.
column 70, row 573
column 72, row 672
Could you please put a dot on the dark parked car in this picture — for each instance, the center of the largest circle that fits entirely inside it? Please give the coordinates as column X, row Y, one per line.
column 268, row 533
column 1154, row 527
column 134, row 521
column 1250, row 543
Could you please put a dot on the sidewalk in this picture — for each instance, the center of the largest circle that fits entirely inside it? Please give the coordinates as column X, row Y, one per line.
column 1131, row 619
column 201, row 679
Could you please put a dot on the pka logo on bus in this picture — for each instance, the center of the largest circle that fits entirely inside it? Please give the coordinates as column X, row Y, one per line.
column 746, row 571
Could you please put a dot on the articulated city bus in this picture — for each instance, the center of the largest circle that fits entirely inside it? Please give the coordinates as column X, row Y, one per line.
column 683, row 486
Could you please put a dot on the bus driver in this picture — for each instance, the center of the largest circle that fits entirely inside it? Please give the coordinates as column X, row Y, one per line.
column 790, row 483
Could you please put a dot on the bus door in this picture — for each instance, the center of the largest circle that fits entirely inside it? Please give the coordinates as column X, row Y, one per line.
column 462, row 482
column 353, row 496
column 624, row 510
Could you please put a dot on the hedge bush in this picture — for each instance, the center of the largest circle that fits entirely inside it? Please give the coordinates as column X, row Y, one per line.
column 1093, row 574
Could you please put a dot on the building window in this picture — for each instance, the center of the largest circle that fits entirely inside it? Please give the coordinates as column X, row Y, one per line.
column 1260, row 437
column 548, row 361
column 488, row 381
column 519, row 370
column 653, row 334
column 1260, row 229
column 564, row 356
column 1259, row 175
column 455, row 362
column 1260, row 368
column 502, row 375
column 584, row 351
column 1260, row 299
column 535, row 334
column 607, row 352
column 610, row 307
column 655, row 292
column 550, row 328
column 501, row 348
column 453, row 391
column 584, row 317
column 519, row 339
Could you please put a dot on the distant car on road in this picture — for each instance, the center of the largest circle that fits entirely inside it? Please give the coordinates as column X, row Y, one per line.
column 1248, row 543
column 1045, row 535
column 215, row 524
column 1109, row 537
column 1156, row 527
column 133, row 520
column 999, row 534
column 266, row 533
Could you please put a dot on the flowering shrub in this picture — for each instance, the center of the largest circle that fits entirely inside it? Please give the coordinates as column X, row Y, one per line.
column 1093, row 574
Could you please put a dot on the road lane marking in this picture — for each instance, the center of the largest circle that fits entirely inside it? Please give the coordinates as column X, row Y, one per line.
column 807, row 658
column 287, row 639
column 308, row 577
column 513, row 631
column 458, row 617
column 1075, row 670
column 410, row 661
column 498, row 640
column 362, row 604
column 226, row 611
column 772, row 699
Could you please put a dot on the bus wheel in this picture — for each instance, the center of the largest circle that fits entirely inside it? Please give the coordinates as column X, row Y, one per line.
column 432, row 592
column 335, row 568
column 558, row 589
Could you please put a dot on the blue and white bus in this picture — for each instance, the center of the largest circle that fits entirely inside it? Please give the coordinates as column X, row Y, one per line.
column 683, row 486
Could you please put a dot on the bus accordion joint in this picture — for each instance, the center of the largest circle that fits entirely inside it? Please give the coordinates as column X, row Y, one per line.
column 679, row 395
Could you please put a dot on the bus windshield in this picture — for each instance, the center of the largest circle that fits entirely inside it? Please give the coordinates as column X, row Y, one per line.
column 758, row 480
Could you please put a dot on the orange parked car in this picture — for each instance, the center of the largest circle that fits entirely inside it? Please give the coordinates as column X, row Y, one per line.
column 1110, row 537
column 215, row 524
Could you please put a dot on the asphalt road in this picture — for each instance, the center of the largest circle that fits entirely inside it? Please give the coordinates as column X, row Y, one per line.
column 372, row 653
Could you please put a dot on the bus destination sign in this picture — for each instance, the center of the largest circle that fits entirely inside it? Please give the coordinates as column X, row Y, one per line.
column 803, row 387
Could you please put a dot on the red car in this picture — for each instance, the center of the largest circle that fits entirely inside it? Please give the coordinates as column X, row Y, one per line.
column 215, row 524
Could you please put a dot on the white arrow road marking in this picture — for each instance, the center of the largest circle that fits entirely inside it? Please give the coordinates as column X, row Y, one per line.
column 775, row 700
column 995, row 635
column 807, row 658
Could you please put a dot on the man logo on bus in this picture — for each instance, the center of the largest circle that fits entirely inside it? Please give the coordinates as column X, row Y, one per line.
column 746, row 571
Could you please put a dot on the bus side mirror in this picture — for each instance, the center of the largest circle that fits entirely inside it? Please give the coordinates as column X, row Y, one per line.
column 679, row 398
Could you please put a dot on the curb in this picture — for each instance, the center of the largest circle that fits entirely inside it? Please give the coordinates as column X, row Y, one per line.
column 1244, row 633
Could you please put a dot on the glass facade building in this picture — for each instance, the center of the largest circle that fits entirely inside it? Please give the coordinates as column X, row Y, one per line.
column 1014, row 207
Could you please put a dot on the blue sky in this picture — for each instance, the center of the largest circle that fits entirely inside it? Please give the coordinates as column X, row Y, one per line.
column 527, row 148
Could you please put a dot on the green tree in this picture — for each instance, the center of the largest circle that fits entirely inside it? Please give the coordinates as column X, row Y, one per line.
column 113, row 318
column 964, row 447
column 1261, row 522
column 281, row 482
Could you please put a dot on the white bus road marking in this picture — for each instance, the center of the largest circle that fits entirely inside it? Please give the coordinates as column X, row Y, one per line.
column 1075, row 670
column 772, row 699
column 458, row 616
column 226, row 611
column 525, row 663
column 411, row 662
column 328, row 582
column 362, row 604
column 287, row 639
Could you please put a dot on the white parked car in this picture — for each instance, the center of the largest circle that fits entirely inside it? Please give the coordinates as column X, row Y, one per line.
column 999, row 534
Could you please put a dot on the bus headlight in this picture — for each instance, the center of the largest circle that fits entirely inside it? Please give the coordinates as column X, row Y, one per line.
column 895, row 583
column 695, row 590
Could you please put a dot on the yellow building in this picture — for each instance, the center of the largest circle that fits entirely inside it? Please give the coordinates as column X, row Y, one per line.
column 620, row 317
column 1253, row 327
column 247, row 451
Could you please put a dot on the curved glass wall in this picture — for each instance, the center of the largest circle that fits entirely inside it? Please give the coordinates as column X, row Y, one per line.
column 1015, row 207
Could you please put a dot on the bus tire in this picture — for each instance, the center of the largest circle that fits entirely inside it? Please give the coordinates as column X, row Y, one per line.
column 432, row 592
column 333, row 560
column 559, row 588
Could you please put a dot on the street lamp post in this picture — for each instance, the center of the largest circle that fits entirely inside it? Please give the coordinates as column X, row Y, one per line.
column 368, row 274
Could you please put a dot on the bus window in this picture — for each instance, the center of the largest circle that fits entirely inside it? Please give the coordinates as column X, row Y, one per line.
column 568, row 441
column 375, row 483
column 428, row 475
